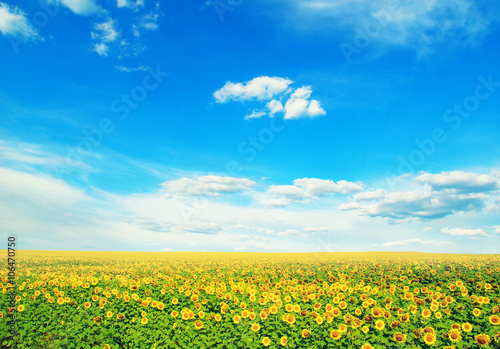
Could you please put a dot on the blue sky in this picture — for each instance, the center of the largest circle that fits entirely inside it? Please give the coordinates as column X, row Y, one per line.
column 235, row 125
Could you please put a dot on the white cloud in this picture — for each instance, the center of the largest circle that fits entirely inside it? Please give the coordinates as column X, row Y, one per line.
column 130, row 69
column 38, row 188
column 461, row 182
column 13, row 22
column 319, row 187
column 426, row 229
column 419, row 25
column 255, row 114
column 369, row 195
column 133, row 5
column 288, row 192
column 81, row 7
column 103, row 34
column 275, row 202
column 289, row 232
column 207, row 185
column 298, row 105
column 308, row 188
column 416, row 241
column 274, row 107
column 203, row 228
column 263, row 88
column 148, row 21
column 316, row 229
column 420, row 205
column 150, row 224
column 464, row 232
column 260, row 88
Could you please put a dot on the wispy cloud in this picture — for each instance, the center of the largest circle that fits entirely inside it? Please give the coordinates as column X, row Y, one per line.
column 14, row 22
column 416, row 242
column 80, row 7
column 131, row 69
column 148, row 21
column 207, row 185
column 103, row 34
column 420, row 25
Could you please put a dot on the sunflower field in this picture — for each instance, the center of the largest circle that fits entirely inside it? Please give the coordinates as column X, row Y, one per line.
column 251, row 300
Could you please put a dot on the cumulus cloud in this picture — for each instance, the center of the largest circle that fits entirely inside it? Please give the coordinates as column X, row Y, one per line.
column 275, row 89
column 207, row 185
column 463, row 232
column 461, row 182
column 13, row 22
column 416, row 241
column 288, row 192
column 260, row 88
column 305, row 189
column 369, row 195
column 422, row 205
column 103, row 34
column 299, row 105
column 274, row 107
column 319, row 187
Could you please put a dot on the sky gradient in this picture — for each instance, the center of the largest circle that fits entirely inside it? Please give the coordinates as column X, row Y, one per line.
column 235, row 125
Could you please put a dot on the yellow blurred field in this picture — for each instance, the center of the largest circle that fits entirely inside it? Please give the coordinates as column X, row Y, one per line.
column 253, row 300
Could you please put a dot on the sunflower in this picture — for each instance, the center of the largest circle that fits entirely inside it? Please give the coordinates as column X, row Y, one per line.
column 20, row 308
column 379, row 325
column 306, row 333
column 483, row 340
column 367, row 346
column 109, row 314
column 426, row 313
column 454, row 336
column 429, row 339
column 467, row 327
column 336, row 334
column 399, row 337
column 97, row 319
column 284, row 341
column 198, row 324
column 255, row 327
column 144, row 320
column 476, row 312
column 87, row 305
column 494, row 320
column 266, row 341
column 174, row 314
